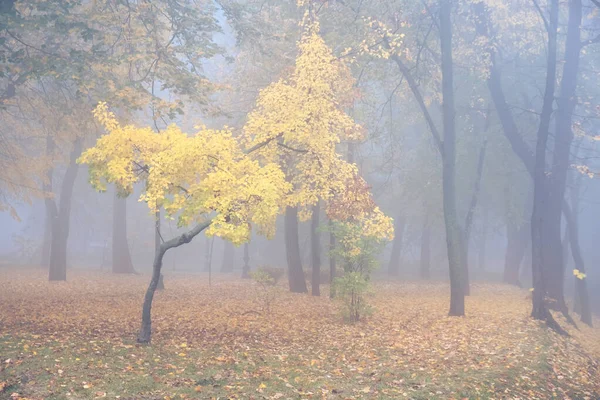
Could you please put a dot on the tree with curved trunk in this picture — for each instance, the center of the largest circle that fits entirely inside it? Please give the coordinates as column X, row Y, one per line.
column 210, row 180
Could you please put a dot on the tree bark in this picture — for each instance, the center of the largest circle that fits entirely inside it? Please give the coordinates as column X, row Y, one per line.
column 292, row 249
column 425, row 250
column 228, row 257
column 453, row 230
column 121, row 258
column 60, row 225
column 315, row 247
column 394, row 265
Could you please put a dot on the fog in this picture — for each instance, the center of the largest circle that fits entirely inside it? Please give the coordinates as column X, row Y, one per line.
column 327, row 165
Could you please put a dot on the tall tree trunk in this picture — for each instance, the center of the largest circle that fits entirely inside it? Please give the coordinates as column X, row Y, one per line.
column 425, row 266
column 518, row 239
column 332, row 266
column 315, row 249
column 292, row 249
column 60, row 225
column 394, row 265
column 121, row 258
column 145, row 333
column 49, row 204
column 540, row 193
column 453, row 230
column 228, row 257
column 563, row 138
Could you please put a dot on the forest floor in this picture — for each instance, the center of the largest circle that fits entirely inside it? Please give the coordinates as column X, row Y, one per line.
column 76, row 340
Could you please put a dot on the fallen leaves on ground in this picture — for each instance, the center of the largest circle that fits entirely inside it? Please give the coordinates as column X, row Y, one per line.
column 76, row 340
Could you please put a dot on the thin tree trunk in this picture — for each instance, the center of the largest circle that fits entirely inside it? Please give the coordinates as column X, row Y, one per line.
column 292, row 249
column 228, row 257
column 60, row 225
column 394, row 265
column 121, row 258
column 315, row 247
column 453, row 230
column 145, row 333
column 425, row 250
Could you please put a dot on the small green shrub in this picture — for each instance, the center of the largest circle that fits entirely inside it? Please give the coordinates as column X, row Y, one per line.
column 357, row 254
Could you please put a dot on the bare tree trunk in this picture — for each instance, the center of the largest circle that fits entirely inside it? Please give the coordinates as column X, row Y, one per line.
column 425, row 250
column 540, row 196
column 228, row 257
column 145, row 333
column 394, row 265
column 563, row 139
column 315, row 247
column 60, row 225
column 453, row 230
column 292, row 249
column 121, row 258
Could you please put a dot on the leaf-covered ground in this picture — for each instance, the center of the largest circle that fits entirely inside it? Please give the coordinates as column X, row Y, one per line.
column 76, row 340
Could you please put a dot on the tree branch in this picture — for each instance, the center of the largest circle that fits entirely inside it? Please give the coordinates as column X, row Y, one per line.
column 414, row 87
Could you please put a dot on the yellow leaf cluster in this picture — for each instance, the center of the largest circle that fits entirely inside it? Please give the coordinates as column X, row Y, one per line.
column 580, row 275
column 191, row 177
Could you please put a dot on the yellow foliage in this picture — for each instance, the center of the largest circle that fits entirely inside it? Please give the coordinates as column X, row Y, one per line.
column 293, row 160
column 190, row 176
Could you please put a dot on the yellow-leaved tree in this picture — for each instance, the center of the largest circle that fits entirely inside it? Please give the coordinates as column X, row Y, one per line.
column 223, row 184
column 302, row 120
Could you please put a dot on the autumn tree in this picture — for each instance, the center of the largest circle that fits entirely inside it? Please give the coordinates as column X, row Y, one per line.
column 226, row 185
